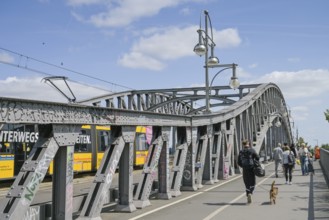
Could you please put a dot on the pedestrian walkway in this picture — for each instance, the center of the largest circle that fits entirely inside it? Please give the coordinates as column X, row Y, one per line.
column 306, row 199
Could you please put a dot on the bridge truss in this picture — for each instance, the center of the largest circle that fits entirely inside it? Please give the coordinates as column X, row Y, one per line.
column 206, row 145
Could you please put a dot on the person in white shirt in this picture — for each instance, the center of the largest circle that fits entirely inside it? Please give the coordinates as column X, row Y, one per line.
column 303, row 156
column 277, row 156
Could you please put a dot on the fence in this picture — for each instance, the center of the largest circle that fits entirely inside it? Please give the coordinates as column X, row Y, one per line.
column 324, row 162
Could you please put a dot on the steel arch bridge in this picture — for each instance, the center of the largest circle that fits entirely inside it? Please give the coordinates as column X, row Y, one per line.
column 206, row 145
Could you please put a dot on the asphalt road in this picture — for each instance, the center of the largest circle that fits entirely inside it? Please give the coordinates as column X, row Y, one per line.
column 307, row 198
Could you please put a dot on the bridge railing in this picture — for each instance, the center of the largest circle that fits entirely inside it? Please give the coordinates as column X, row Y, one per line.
column 324, row 162
column 207, row 147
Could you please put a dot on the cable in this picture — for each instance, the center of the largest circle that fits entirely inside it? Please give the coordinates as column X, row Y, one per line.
column 53, row 65
column 44, row 73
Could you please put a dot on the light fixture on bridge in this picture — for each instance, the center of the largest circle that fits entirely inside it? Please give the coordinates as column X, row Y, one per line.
column 277, row 123
column 202, row 48
column 234, row 83
column 277, row 120
column 212, row 60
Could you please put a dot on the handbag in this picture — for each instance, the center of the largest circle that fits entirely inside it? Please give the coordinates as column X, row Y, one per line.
column 297, row 161
column 310, row 167
column 259, row 169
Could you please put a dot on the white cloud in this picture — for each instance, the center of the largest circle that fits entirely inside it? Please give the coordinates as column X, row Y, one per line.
column 83, row 2
column 121, row 13
column 227, row 38
column 305, row 91
column 128, row 11
column 138, row 60
column 299, row 84
column 5, row 57
column 160, row 45
column 170, row 44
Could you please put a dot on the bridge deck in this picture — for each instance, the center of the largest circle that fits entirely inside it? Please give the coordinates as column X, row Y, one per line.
column 306, row 198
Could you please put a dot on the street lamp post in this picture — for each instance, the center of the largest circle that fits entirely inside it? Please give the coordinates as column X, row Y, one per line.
column 202, row 48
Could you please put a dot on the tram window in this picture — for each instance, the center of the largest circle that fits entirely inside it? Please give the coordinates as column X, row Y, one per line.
column 83, row 143
column 17, row 139
column 5, row 148
column 140, row 142
column 103, row 142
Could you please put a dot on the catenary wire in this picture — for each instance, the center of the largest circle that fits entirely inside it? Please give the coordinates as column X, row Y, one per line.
column 60, row 67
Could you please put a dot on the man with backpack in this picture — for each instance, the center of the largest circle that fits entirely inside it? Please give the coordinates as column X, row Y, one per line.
column 246, row 158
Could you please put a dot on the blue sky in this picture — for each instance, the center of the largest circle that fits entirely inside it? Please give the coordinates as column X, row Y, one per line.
column 144, row 44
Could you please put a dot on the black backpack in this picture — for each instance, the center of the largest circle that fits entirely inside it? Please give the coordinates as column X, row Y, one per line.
column 291, row 158
column 245, row 159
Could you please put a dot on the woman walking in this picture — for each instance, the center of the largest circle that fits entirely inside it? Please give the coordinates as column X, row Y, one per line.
column 288, row 164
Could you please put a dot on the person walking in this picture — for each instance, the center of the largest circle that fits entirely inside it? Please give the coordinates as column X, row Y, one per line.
column 288, row 160
column 246, row 158
column 316, row 153
column 304, row 157
column 277, row 156
column 294, row 150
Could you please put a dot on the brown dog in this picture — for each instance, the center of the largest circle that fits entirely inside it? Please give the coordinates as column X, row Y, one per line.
column 273, row 193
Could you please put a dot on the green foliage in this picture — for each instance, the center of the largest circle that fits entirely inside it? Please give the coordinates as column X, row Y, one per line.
column 326, row 114
column 300, row 141
column 325, row 146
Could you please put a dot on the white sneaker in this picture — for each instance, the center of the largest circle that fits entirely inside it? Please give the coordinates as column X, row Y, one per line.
column 290, row 183
column 286, row 182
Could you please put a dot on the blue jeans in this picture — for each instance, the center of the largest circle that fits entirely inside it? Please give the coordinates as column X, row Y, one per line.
column 304, row 165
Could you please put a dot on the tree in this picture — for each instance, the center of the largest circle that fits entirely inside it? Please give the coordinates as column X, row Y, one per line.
column 326, row 114
column 300, row 141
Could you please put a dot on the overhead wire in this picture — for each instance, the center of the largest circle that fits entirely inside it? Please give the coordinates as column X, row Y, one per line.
column 48, row 74
column 57, row 66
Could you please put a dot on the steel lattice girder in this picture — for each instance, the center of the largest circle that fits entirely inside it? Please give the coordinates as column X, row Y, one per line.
column 249, row 118
column 170, row 101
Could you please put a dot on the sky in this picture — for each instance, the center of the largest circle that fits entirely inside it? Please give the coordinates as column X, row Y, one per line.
column 104, row 46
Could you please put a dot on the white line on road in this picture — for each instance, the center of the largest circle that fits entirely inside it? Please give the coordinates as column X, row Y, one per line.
column 186, row 198
column 233, row 201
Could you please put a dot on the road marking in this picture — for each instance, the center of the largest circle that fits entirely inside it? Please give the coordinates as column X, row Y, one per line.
column 199, row 193
column 213, row 214
column 186, row 198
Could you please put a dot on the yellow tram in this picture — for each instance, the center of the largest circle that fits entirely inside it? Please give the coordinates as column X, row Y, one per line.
column 16, row 141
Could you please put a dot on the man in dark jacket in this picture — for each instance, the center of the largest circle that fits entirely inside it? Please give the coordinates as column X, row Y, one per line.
column 245, row 160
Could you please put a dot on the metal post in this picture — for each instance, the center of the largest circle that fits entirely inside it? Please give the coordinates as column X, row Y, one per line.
column 63, row 184
column 206, row 62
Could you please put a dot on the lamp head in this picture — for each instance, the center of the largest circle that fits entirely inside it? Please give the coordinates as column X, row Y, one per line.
column 234, row 83
column 213, row 60
column 200, row 49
